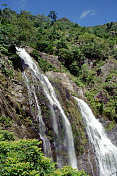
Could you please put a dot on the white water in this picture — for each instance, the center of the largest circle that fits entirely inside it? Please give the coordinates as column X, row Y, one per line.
column 68, row 141
column 105, row 151
column 42, row 128
column 62, row 144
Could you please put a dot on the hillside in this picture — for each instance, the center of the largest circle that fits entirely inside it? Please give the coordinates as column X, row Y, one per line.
column 79, row 61
column 88, row 53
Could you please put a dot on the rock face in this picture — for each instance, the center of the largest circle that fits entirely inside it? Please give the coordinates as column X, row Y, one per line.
column 15, row 106
column 102, row 96
column 85, row 153
column 106, row 69
column 50, row 58
column 113, row 135
column 112, row 131
column 88, row 162
column 66, row 81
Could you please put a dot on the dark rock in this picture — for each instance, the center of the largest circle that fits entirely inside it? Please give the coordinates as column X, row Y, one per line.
column 101, row 95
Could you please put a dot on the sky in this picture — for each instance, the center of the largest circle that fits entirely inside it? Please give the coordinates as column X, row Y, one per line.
column 83, row 12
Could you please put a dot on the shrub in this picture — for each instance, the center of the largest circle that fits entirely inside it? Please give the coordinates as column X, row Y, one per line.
column 6, row 135
column 24, row 157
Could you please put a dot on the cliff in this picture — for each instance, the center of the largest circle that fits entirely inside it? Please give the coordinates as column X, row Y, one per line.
column 78, row 61
column 18, row 115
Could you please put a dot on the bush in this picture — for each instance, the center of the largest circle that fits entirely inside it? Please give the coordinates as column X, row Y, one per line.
column 6, row 135
column 43, row 64
column 24, row 157
column 5, row 121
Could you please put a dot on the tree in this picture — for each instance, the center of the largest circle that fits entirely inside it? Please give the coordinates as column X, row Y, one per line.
column 24, row 157
column 109, row 26
column 53, row 16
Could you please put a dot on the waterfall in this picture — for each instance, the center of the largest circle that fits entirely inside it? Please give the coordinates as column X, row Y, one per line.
column 105, row 151
column 63, row 137
column 42, row 128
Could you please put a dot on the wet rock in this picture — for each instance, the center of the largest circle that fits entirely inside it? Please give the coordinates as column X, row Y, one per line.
column 67, row 82
column 88, row 162
column 111, row 133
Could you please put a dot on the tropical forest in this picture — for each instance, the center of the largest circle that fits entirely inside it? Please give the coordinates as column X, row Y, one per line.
column 58, row 96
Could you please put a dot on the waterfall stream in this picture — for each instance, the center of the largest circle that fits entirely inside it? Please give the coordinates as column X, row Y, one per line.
column 42, row 128
column 105, row 151
column 63, row 137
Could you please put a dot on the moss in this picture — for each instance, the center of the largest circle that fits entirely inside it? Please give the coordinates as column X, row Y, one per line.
column 110, row 126
column 7, row 69
column 79, row 133
column 71, row 110
column 5, row 121
column 43, row 64
column 106, row 105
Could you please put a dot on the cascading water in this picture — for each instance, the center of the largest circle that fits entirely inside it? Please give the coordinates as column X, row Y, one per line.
column 105, row 151
column 42, row 128
column 63, row 137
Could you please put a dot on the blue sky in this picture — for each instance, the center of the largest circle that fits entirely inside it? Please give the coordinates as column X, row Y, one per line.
column 83, row 12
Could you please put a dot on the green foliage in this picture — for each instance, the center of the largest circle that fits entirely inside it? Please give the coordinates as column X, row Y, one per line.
column 7, row 71
column 53, row 16
column 109, row 26
column 6, row 135
column 69, row 171
column 3, row 50
column 86, row 75
column 24, row 157
column 43, row 64
column 81, row 50
column 110, row 126
column 114, row 53
column 106, row 105
column 5, row 121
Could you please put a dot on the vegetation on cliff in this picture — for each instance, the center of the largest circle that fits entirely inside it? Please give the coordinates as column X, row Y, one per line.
column 89, row 53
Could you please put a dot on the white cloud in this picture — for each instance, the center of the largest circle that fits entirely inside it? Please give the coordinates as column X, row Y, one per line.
column 87, row 12
column 84, row 14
